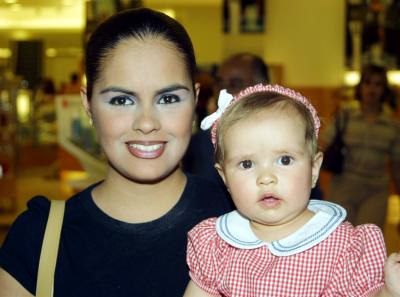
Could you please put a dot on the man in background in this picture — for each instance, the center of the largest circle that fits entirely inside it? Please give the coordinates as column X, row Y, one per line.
column 234, row 74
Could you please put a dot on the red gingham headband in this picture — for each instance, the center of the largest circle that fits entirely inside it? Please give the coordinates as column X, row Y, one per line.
column 226, row 100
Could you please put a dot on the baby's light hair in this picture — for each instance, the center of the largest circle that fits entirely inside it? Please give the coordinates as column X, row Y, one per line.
column 256, row 102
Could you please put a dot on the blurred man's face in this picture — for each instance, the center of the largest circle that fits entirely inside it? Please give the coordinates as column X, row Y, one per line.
column 234, row 76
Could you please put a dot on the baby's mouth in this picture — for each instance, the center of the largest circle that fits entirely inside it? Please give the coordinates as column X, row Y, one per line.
column 270, row 200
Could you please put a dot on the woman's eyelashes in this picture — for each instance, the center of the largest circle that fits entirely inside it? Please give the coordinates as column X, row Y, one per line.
column 168, row 99
column 127, row 100
column 121, row 100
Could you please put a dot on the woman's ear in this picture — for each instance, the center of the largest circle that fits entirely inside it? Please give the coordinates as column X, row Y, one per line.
column 196, row 91
column 85, row 102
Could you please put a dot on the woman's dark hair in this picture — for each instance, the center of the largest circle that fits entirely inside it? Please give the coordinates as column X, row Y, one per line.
column 369, row 70
column 136, row 23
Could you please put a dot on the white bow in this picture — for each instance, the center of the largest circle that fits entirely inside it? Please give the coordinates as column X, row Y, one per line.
column 224, row 99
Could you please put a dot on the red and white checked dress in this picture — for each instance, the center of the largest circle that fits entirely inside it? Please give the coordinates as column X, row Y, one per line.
column 326, row 257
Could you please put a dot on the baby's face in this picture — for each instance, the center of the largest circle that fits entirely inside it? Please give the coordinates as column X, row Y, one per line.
column 269, row 170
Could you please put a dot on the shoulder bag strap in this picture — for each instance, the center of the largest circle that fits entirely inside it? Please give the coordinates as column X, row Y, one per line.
column 48, row 254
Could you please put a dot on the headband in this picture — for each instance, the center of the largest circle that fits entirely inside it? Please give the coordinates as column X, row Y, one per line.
column 226, row 100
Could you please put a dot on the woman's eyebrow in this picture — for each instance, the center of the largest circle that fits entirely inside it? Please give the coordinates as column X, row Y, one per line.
column 158, row 92
column 117, row 89
column 172, row 88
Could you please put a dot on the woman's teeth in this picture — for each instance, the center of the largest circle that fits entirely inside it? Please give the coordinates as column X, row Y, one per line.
column 146, row 148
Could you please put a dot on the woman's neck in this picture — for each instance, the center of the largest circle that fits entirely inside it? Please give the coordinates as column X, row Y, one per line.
column 133, row 202
column 371, row 110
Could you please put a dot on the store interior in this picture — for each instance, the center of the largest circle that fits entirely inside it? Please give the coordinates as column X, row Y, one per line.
column 47, row 146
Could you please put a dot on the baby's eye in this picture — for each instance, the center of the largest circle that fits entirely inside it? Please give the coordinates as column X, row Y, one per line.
column 246, row 164
column 285, row 160
column 121, row 100
column 168, row 99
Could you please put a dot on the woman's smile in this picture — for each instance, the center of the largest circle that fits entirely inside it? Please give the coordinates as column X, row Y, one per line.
column 146, row 150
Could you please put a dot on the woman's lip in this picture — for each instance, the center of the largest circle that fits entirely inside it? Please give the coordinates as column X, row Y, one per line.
column 146, row 149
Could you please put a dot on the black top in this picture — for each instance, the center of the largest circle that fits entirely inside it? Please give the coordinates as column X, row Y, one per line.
column 101, row 256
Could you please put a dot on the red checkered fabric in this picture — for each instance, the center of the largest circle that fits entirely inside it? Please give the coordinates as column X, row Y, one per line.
column 348, row 263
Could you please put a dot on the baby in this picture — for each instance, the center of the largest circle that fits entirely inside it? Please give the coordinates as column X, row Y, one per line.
column 278, row 242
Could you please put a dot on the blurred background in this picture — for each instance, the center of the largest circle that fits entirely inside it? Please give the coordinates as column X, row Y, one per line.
column 46, row 144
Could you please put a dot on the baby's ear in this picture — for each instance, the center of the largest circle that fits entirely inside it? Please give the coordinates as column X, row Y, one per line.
column 220, row 171
column 316, row 166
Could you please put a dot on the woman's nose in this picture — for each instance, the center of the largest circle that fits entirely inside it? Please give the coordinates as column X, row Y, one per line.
column 146, row 120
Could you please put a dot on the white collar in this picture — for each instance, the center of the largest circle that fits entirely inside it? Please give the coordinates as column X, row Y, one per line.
column 235, row 230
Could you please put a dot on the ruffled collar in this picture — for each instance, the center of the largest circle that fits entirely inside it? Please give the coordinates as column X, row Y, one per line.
column 235, row 230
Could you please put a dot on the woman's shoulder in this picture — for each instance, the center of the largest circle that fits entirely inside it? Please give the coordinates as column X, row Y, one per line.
column 37, row 211
column 20, row 251
column 30, row 224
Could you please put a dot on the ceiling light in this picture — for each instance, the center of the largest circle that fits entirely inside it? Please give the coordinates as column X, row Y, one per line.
column 351, row 78
column 15, row 7
column 393, row 77
column 67, row 2
column 10, row 1
column 51, row 52
column 5, row 53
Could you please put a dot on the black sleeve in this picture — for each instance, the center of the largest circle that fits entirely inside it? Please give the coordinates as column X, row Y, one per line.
column 19, row 254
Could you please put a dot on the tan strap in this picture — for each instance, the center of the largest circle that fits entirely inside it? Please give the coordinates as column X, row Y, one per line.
column 48, row 254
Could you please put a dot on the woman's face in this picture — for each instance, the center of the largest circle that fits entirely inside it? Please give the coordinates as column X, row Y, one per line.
column 372, row 89
column 142, row 108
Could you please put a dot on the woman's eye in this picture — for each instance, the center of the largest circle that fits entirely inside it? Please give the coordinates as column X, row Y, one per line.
column 246, row 164
column 121, row 100
column 168, row 99
column 285, row 160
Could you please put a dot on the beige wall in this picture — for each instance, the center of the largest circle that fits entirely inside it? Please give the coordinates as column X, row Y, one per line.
column 306, row 37
column 68, row 44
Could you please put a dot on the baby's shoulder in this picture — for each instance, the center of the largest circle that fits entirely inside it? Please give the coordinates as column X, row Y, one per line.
column 358, row 232
column 204, row 229
column 359, row 238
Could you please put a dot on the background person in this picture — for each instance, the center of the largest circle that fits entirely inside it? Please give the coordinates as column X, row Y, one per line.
column 126, row 235
column 372, row 140
column 237, row 72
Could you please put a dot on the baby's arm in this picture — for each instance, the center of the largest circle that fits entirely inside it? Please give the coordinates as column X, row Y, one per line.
column 392, row 277
column 193, row 290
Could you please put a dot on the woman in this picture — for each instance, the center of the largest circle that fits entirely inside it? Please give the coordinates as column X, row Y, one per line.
column 371, row 137
column 126, row 236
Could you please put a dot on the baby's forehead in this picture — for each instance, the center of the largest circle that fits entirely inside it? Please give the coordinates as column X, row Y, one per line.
column 280, row 109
